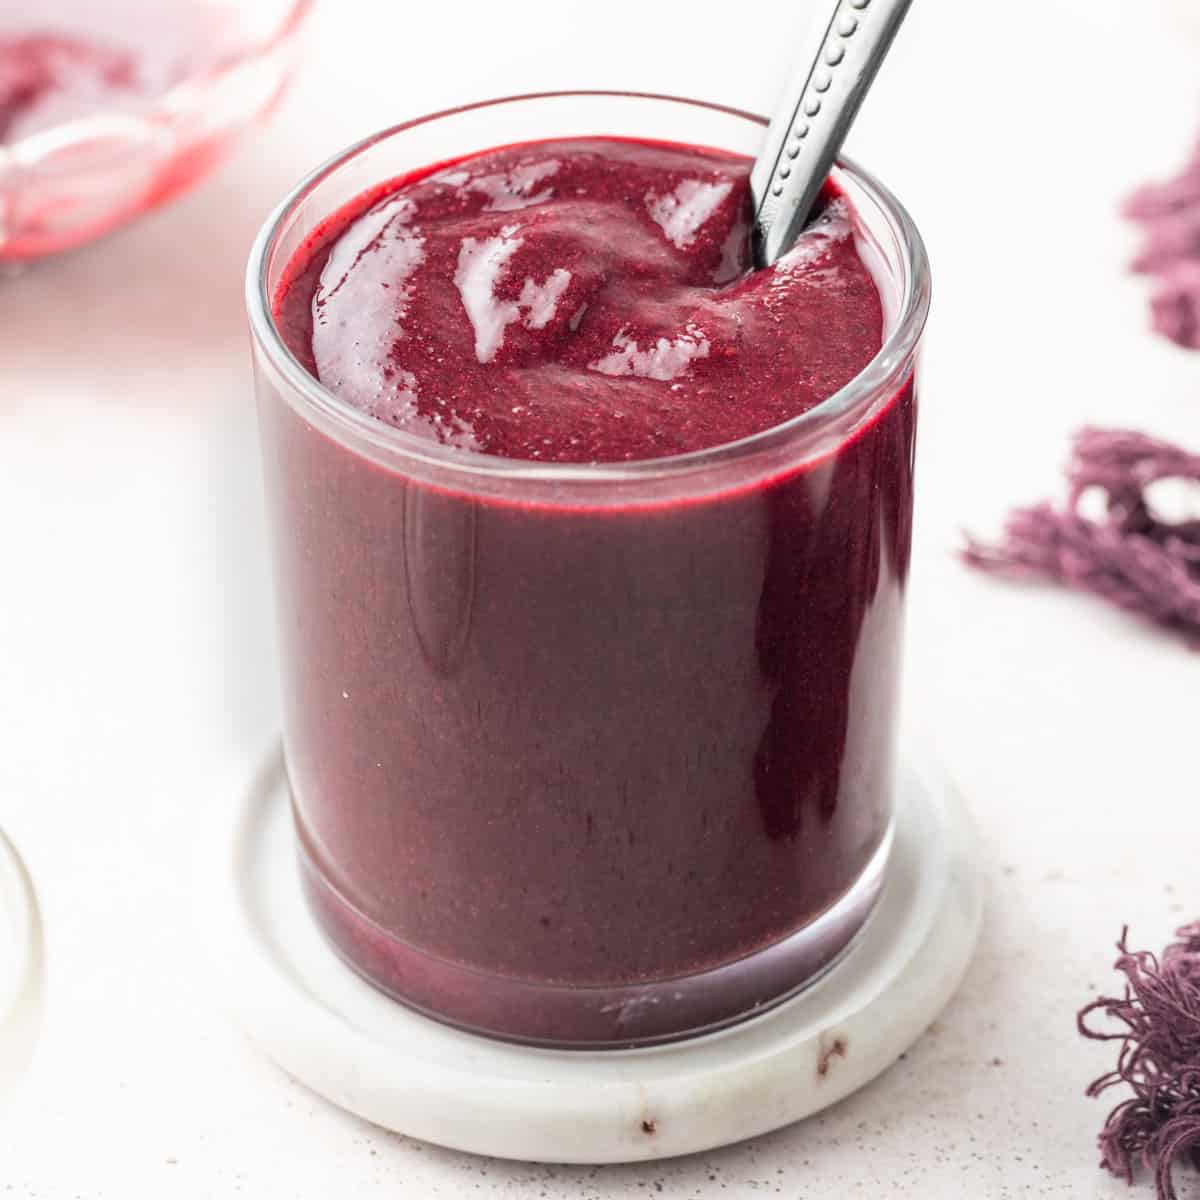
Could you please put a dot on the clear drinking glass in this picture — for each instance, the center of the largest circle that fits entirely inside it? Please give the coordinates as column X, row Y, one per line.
column 590, row 755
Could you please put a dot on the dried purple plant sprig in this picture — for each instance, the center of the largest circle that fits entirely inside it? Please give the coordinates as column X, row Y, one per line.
column 1169, row 213
column 1158, row 1026
column 1133, row 557
column 1175, row 305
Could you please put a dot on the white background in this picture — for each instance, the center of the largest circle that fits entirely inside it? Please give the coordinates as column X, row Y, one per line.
column 136, row 658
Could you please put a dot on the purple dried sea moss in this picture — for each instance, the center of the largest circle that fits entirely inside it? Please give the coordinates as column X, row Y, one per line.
column 1132, row 557
column 1158, row 1026
column 1170, row 215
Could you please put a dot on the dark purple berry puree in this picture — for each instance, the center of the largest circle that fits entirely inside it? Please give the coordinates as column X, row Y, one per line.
column 585, row 745
column 584, row 301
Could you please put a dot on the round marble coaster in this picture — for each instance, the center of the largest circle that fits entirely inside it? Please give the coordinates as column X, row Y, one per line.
column 348, row 1042
column 20, row 967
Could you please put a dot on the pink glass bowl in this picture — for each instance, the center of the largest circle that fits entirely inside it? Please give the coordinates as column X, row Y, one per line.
column 65, row 185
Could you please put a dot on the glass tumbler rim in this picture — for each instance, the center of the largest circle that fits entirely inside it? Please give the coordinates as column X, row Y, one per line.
column 884, row 374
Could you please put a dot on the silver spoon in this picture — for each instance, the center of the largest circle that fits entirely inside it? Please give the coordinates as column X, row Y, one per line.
column 814, row 118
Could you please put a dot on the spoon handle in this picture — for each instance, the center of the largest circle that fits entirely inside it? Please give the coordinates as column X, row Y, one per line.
column 816, row 114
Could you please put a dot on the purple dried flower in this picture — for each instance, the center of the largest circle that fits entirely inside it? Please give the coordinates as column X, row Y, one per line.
column 1176, row 304
column 1170, row 214
column 1171, row 239
column 1133, row 557
column 1158, row 1020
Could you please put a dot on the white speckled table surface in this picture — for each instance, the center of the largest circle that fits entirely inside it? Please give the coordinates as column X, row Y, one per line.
column 138, row 661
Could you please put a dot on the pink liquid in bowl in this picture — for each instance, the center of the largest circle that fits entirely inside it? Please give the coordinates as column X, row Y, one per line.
column 110, row 108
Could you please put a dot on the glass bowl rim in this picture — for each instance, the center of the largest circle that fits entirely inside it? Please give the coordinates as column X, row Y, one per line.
column 79, row 130
column 886, row 369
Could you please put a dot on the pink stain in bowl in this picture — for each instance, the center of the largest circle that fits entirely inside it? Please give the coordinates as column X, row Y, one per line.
column 110, row 108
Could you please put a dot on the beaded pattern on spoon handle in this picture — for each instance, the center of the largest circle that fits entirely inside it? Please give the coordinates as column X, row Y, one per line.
column 811, row 124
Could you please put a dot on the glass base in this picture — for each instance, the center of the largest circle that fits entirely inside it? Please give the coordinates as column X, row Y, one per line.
column 592, row 1017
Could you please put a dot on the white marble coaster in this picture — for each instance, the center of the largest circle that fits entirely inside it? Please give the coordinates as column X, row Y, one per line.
column 20, row 968
column 348, row 1042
